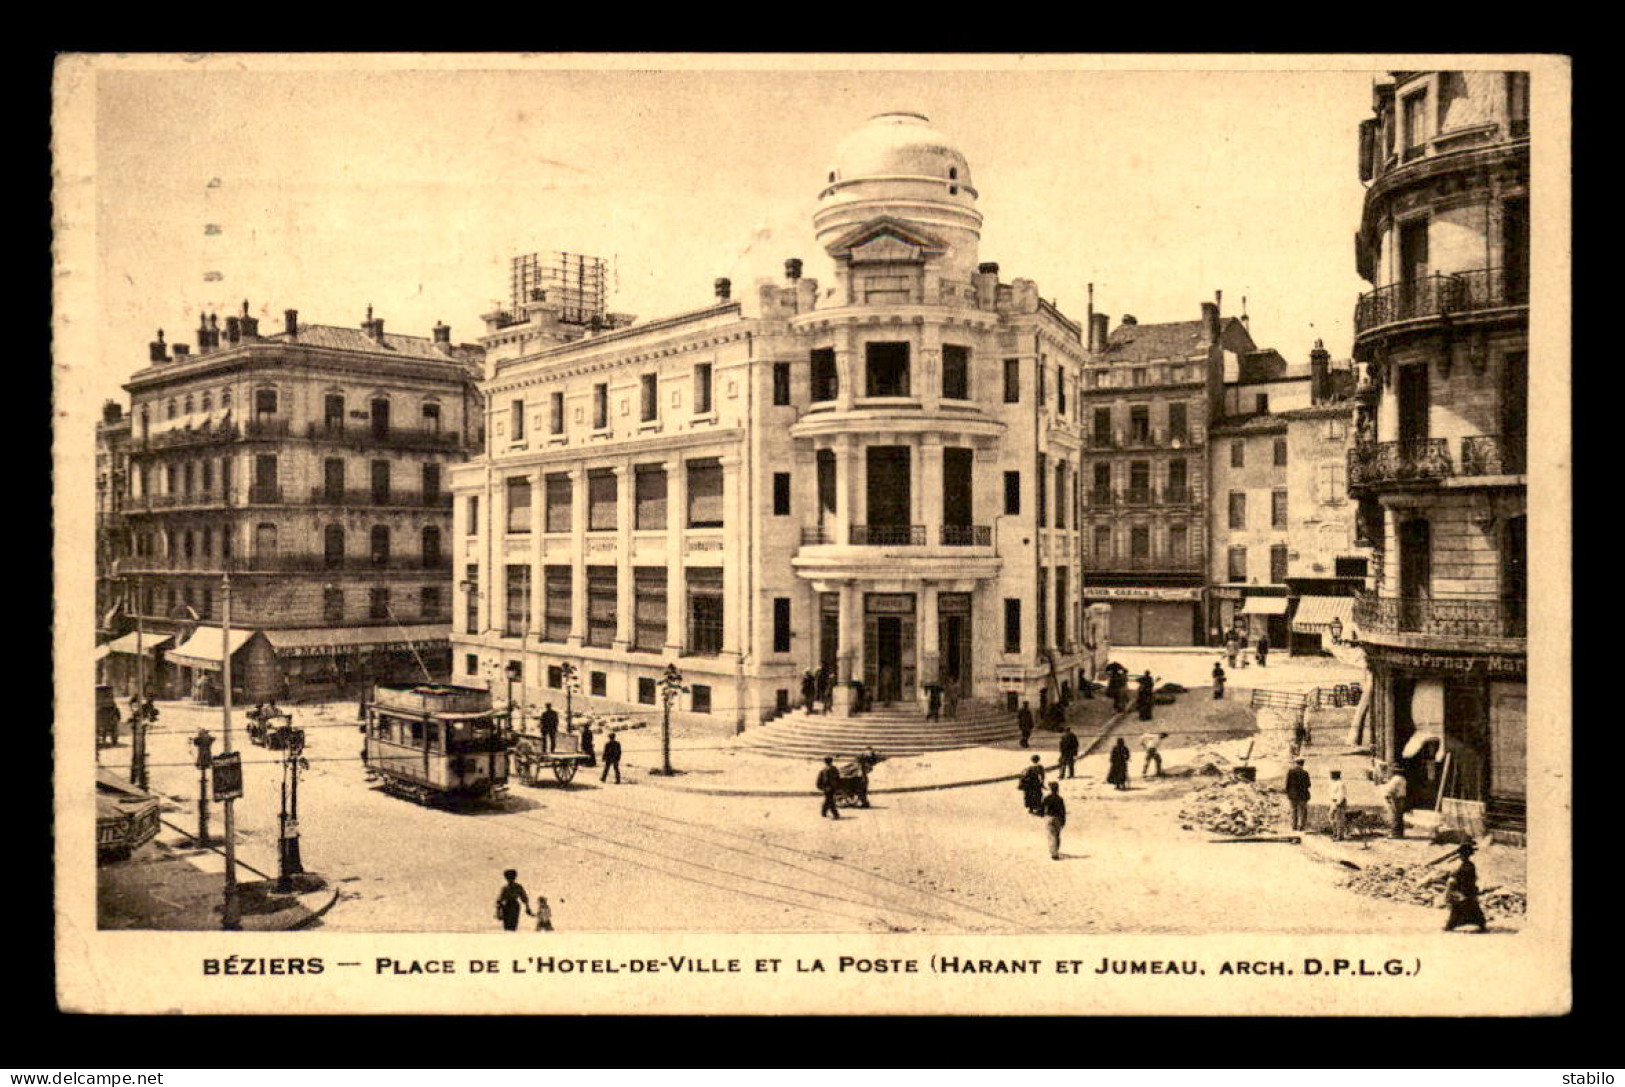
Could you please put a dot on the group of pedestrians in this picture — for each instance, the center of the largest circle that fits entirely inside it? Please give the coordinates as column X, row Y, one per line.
column 511, row 899
column 818, row 690
column 1235, row 649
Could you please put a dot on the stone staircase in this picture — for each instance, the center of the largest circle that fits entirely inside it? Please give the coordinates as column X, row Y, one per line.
column 890, row 730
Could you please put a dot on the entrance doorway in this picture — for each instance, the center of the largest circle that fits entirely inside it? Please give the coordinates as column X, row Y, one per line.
column 889, row 663
column 888, row 658
column 954, row 641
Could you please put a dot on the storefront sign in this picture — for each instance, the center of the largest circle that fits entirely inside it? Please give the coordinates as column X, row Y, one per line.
column 1096, row 592
column 1225, row 592
column 1498, row 664
column 1010, row 680
column 365, row 647
column 889, row 603
column 228, row 776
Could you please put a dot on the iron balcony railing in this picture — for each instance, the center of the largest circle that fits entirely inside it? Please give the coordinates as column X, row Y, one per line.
column 365, row 436
column 264, row 494
column 888, row 535
column 296, row 563
column 1137, row 496
column 967, row 536
column 322, row 496
column 171, row 439
column 178, row 501
column 812, row 535
column 1378, row 463
column 1176, row 496
column 266, row 428
column 1442, row 617
column 1100, row 498
column 1440, row 295
column 1494, row 455
column 1144, row 563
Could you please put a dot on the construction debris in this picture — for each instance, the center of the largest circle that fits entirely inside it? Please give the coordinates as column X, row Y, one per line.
column 1424, row 885
column 1233, row 806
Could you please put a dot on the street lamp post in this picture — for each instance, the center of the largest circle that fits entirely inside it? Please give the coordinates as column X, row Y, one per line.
column 289, row 864
column 204, row 742
column 671, row 686
column 568, row 672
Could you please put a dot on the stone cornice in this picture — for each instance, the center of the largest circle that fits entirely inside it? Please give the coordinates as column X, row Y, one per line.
column 273, row 354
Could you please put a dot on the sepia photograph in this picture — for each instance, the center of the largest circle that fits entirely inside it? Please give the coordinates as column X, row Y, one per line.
column 627, row 520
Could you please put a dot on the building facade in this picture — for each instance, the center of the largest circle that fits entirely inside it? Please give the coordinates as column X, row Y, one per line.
column 1439, row 468
column 878, row 476
column 309, row 465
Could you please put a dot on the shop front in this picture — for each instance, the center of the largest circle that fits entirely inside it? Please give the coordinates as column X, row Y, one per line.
column 340, row 662
column 1149, row 615
column 1322, row 621
column 197, row 671
column 1263, row 614
column 133, row 659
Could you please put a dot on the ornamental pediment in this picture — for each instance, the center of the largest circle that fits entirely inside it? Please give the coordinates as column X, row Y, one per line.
column 886, row 241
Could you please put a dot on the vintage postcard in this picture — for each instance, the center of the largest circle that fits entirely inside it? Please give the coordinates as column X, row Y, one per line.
column 775, row 534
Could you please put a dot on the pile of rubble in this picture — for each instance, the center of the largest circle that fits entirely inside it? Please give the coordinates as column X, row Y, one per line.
column 1233, row 806
column 1425, row 886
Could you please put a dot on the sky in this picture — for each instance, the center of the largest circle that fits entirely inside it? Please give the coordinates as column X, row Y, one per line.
column 329, row 189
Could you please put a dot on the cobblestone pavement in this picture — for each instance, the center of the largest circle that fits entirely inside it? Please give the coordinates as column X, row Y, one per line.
column 635, row 857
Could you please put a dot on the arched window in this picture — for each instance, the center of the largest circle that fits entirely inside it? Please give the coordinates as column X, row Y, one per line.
column 190, row 404
column 225, row 398
column 380, row 545
column 431, row 546
column 208, row 401
column 333, row 545
column 832, row 177
column 171, row 408
column 953, row 173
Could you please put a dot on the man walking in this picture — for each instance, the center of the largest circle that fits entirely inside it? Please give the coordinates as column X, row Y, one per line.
column 1146, row 696
column 1263, row 650
column 933, row 702
column 1232, row 646
column 809, row 691
column 612, row 759
column 829, row 779
column 1151, row 743
column 1218, row 681
column 510, row 899
column 1032, row 787
column 1069, row 753
column 1340, row 807
column 1297, row 794
column 550, row 728
column 1024, row 723
column 1395, row 793
column 1461, row 892
column 1054, row 811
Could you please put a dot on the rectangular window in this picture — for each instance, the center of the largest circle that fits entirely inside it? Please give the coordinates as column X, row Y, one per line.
column 597, row 684
column 1043, row 608
column 1012, row 381
column 1012, row 492
column 823, row 379
column 1060, row 495
column 519, row 505
column 555, row 677
column 378, row 603
column 649, row 398
column 1280, row 452
column 380, row 483
column 702, row 388
column 1042, row 389
column 1238, row 564
column 333, row 413
column 1350, row 567
column 600, row 406
column 560, row 499
column 1139, row 542
column 471, row 664
column 601, row 605
column 431, row 418
column 516, row 421
column 649, row 608
column 1238, row 509
column 955, row 372
column 705, row 494
column 602, row 504
column 1102, row 437
column 1261, row 404
column 556, row 604
column 1139, row 423
column 646, row 691
column 471, row 603
column 472, row 528
column 264, row 401
column 1041, row 499
column 429, row 602
column 431, row 484
column 1238, row 454
column 1415, row 129
column 649, row 490
column 1060, row 390
column 704, row 610
column 1178, row 545
column 1278, row 555
column 1278, row 509
column 781, row 383
column 781, row 624
column 886, row 367
column 1177, row 425
column 1012, row 625
column 781, row 494
column 701, row 695
column 518, row 600
column 333, row 605
column 555, row 412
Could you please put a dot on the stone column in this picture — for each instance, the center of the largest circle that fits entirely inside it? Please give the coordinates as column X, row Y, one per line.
column 845, row 491
column 930, row 476
column 676, row 587
column 624, row 503
column 578, row 558
column 849, row 647
column 916, row 479
column 538, row 551
column 734, row 519
column 930, row 648
column 848, row 368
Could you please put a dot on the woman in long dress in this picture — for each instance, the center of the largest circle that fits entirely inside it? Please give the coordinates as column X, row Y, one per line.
column 1118, row 775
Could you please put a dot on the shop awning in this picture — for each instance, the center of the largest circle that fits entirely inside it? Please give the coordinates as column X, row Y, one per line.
column 149, row 642
column 326, row 641
column 1264, row 605
column 202, row 649
column 1315, row 613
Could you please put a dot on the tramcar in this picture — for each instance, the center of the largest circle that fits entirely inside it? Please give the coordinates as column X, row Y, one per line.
column 437, row 743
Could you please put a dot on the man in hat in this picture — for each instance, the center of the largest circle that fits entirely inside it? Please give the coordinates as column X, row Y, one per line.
column 1297, row 794
column 612, row 759
column 1032, row 786
column 1461, row 892
column 829, row 779
column 1024, row 722
column 550, row 728
column 1395, row 793
column 809, row 691
column 1069, row 753
column 1218, row 681
column 1054, row 812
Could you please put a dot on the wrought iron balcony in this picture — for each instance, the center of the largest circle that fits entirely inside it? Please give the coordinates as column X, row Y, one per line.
column 262, row 494
column 967, row 536
column 1442, row 617
column 192, row 500
column 1178, row 564
column 1382, row 463
column 1177, row 496
column 888, row 535
column 1440, row 295
column 266, row 428
column 171, row 439
column 364, row 436
column 1137, row 496
column 438, row 500
column 314, row 562
column 1494, row 455
column 812, row 535
column 1100, row 498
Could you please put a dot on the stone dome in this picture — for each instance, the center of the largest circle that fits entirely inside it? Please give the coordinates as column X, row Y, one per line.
column 899, row 144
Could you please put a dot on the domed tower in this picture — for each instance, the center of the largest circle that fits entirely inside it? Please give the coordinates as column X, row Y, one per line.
column 900, row 191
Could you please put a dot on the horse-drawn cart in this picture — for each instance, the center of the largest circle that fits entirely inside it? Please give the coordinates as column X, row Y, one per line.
column 852, row 789
column 564, row 760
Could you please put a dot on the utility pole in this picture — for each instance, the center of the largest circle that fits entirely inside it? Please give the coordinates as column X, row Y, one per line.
column 229, row 917
column 138, row 714
column 289, row 864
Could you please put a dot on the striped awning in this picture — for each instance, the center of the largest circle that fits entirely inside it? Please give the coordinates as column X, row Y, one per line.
column 1264, row 605
column 1315, row 613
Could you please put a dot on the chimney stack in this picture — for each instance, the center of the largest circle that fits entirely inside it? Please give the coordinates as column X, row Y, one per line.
column 182, row 351
column 1099, row 323
column 202, row 332
column 792, row 268
column 1129, row 319
column 1320, row 366
column 724, row 289
column 290, row 322
column 157, row 350
column 234, row 330
column 442, row 333
column 1210, row 322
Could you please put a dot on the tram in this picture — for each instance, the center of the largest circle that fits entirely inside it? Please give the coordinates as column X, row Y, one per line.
column 436, row 743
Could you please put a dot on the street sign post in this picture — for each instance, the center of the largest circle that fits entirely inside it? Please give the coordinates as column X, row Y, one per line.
column 228, row 776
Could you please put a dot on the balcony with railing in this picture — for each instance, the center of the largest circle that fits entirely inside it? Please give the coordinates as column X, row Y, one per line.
column 967, row 536
column 1399, row 463
column 434, row 500
column 186, row 436
column 1441, row 617
column 1438, row 296
column 1174, row 564
column 1100, row 497
column 888, row 535
column 264, row 494
column 816, row 535
column 188, row 500
column 1494, row 455
column 366, row 437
